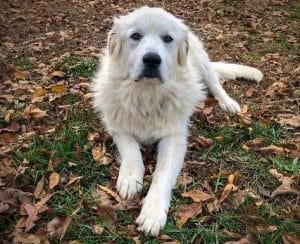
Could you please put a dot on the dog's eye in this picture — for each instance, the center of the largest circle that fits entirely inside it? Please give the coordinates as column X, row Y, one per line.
column 136, row 36
column 167, row 39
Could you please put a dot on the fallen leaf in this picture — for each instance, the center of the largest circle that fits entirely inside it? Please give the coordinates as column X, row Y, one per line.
column 256, row 142
column 110, row 192
column 290, row 238
column 273, row 149
column 33, row 211
column 184, row 179
column 58, row 88
column 53, row 180
column 250, row 92
column 244, row 109
column 277, row 88
column 13, row 128
column 228, row 188
column 97, row 229
column 197, row 195
column 99, row 155
column 186, row 212
column 73, row 178
column 232, row 234
column 58, row 226
column 203, row 141
column 289, row 120
column 57, row 74
column 21, row 74
column 214, row 204
column 240, row 196
column 108, row 215
column 288, row 184
column 39, row 187
column 248, row 239
column 32, row 112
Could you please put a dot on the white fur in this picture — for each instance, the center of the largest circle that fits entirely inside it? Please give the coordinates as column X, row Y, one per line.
column 144, row 111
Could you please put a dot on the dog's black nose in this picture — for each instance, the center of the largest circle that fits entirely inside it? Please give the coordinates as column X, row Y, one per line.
column 151, row 60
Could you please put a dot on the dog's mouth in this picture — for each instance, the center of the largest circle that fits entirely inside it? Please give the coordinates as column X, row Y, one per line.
column 149, row 74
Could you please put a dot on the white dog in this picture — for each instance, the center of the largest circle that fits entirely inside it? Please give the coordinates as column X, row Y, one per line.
column 153, row 74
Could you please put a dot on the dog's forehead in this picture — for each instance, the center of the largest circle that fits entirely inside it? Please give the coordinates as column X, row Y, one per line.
column 155, row 19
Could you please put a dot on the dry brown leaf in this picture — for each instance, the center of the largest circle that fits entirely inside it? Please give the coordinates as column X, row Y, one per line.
column 97, row 229
column 239, row 197
column 57, row 73
column 58, row 226
column 99, row 155
column 13, row 128
column 273, row 149
column 58, row 88
column 277, row 88
column 38, row 95
column 186, row 212
column 53, row 180
column 256, row 142
column 244, row 109
column 289, row 120
column 110, row 192
column 203, row 141
column 214, row 204
column 248, row 239
column 108, row 215
column 250, row 92
column 228, row 188
column 197, row 195
column 39, row 187
column 33, row 211
column 32, row 112
column 232, row 234
column 73, row 178
column 290, row 238
column 288, row 184
column 93, row 135
column 265, row 228
column 184, row 179
column 21, row 75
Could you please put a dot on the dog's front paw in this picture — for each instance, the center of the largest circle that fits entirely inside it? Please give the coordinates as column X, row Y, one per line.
column 230, row 105
column 153, row 217
column 130, row 182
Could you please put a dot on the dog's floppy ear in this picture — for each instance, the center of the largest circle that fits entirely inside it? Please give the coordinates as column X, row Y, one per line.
column 114, row 42
column 183, row 51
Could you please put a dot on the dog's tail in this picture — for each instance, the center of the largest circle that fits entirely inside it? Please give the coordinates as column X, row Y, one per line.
column 234, row 71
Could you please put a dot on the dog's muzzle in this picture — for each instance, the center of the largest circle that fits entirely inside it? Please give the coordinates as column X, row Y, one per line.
column 151, row 63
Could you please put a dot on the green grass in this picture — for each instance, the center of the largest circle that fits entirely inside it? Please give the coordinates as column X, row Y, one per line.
column 23, row 63
column 78, row 66
column 73, row 134
column 293, row 10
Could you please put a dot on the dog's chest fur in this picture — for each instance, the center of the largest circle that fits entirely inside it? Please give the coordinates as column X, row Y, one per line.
column 147, row 110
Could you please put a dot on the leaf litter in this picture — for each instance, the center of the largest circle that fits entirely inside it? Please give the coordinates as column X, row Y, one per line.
column 33, row 103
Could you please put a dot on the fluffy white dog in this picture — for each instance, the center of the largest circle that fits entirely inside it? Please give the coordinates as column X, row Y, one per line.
column 154, row 72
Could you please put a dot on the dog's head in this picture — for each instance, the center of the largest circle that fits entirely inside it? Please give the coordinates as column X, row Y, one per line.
column 148, row 44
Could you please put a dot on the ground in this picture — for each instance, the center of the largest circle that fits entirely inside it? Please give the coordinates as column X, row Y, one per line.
column 58, row 166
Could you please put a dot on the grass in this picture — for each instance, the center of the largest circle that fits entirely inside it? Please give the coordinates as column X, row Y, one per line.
column 73, row 134
column 23, row 63
column 78, row 66
column 70, row 144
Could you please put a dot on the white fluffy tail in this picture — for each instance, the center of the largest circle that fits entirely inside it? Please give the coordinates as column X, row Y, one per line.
column 234, row 71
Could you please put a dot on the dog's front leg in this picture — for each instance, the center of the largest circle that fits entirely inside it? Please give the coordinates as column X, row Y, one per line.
column 153, row 216
column 130, row 179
